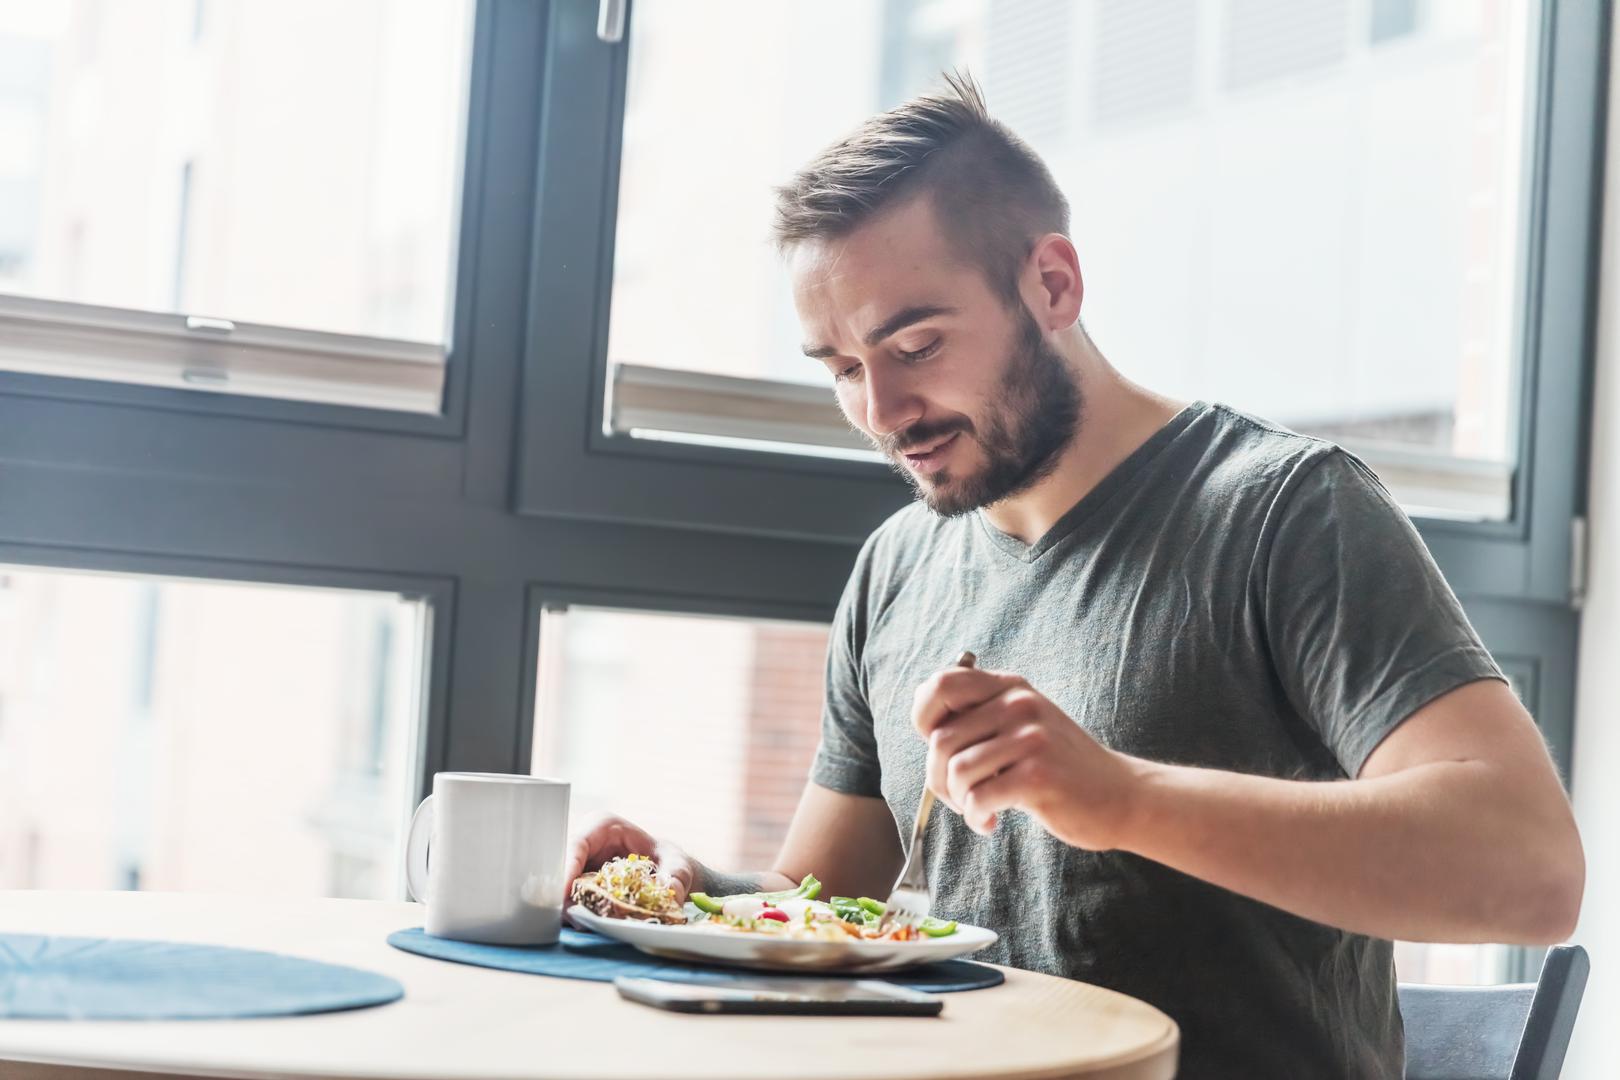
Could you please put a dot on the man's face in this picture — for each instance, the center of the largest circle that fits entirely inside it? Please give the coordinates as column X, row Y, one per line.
column 967, row 399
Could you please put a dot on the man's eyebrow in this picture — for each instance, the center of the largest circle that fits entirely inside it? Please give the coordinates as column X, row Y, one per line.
column 890, row 326
column 900, row 320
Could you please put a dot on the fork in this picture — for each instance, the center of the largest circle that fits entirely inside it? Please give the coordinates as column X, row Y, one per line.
column 910, row 900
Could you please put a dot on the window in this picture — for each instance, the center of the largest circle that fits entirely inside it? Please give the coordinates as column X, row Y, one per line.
column 1392, row 19
column 1270, row 211
column 700, row 729
column 1454, row 965
column 260, row 200
column 204, row 736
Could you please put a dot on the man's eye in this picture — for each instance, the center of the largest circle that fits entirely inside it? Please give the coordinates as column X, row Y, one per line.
column 846, row 374
column 921, row 354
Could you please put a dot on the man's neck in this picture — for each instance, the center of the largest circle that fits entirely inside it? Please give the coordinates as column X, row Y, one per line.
column 1117, row 417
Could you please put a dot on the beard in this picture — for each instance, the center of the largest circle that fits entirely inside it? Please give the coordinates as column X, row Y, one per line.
column 1028, row 429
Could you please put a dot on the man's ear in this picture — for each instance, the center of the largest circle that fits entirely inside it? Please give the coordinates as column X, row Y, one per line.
column 1055, row 289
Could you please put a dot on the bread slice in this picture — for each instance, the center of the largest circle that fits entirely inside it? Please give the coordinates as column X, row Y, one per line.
column 590, row 894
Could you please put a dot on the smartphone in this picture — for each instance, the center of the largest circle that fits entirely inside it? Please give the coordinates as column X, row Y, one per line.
column 748, row 994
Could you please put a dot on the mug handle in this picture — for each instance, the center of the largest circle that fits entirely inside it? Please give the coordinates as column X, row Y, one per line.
column 416, row 850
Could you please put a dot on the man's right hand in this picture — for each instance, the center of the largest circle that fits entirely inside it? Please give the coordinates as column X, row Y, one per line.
column 610, row 837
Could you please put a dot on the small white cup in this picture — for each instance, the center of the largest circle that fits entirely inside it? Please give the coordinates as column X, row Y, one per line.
column 496, row 873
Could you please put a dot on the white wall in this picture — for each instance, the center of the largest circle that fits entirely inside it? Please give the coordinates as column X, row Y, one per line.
column 1593, row 1054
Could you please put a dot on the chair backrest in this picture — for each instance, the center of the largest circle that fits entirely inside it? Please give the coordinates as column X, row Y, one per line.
column 1514, row 1032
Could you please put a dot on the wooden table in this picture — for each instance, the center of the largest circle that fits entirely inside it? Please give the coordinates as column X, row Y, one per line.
column 466, row 1023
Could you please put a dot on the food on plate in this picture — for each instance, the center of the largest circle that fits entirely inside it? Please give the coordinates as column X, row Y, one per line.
column 804, row 918
column 801, row 919
column 632, row 888
column 629, row 888
column 808, row 889
column 865, row 912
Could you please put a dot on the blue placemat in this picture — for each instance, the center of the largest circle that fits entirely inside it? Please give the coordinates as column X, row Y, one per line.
column 73, row 978
column 582, row 955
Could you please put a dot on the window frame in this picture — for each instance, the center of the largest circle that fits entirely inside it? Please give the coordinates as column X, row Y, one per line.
column 567, row 465
column 1529, row 556
column 448, row 421
column 571, row 466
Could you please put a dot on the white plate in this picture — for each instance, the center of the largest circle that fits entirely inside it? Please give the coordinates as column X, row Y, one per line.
column 768, row 953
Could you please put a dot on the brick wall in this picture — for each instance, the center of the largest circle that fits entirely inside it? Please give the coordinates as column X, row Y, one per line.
column 783, row 729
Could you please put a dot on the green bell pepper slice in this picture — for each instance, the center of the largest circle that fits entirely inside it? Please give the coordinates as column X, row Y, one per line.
column 706, row 903
column 714, row 905
column 808, row 889
column 931, row 926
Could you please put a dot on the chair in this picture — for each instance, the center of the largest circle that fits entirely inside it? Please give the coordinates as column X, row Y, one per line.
column 1514, row 1032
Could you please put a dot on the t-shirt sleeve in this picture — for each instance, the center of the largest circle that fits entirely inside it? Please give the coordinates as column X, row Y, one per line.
column 846, row 760
column 1363, row 629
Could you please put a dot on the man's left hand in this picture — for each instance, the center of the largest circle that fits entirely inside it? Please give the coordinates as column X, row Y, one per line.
column 996, row 743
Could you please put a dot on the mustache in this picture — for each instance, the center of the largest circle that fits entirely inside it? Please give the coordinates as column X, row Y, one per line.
column 919, row 435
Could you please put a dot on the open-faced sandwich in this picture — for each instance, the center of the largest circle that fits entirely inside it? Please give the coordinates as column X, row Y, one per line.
column 629, row 888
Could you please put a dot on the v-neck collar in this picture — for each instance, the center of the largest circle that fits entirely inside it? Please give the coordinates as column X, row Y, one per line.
column 1087, row 507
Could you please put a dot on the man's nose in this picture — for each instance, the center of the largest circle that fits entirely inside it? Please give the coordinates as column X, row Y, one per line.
column 890, row 404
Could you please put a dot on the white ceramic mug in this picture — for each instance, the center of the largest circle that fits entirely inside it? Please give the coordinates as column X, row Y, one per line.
column 497, row 843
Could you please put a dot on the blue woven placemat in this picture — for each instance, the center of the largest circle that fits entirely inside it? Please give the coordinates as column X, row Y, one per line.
column 582, row 955
column 72, row 978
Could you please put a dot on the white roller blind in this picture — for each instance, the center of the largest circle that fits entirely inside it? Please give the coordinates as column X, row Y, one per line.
column 691, row 406
column 47, row 337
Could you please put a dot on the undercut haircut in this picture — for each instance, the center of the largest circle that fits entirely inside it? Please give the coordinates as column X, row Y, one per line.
column 993, row 195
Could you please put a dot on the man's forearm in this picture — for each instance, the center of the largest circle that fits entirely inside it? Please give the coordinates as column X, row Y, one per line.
column 1430, row 854
column 715, row 883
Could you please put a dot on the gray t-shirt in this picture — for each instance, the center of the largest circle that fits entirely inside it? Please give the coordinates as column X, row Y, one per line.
column 1233, row 596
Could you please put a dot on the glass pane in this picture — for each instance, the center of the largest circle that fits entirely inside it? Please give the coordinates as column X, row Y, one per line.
column 699, row 729
column 1452, row 965
column 183, row 735
column 1309, row 209
column 291, row 162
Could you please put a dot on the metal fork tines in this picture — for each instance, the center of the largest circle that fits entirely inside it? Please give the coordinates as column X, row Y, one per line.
column 911, row 900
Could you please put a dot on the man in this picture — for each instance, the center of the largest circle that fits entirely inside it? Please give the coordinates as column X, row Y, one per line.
column 1231, row 733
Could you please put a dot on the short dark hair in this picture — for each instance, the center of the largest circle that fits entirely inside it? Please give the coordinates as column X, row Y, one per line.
column 993, row 194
